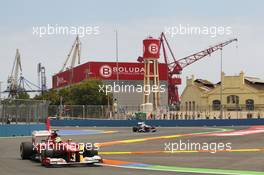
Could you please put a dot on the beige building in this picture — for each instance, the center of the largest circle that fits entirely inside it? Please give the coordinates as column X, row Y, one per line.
column 239, row 93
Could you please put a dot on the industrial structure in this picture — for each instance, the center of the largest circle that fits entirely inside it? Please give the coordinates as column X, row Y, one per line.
column 42, row 78
column 151, row 73
column 167, row 73
column 175, row 67
column 17, row 83
column 73, row 56
column 13, row 78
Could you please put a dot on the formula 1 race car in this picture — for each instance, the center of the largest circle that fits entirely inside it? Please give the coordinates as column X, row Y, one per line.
column 142, row 127
column 50, row 150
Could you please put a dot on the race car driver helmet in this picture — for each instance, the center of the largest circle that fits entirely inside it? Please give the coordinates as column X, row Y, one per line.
column 54, row 136
column 58, row 139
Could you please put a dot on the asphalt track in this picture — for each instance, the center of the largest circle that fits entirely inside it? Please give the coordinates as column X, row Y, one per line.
column 128, row 153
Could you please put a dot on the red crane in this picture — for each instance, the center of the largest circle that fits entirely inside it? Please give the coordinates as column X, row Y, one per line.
column 176, row 66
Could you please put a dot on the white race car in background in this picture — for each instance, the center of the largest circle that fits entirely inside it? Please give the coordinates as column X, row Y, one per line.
column 142, row 127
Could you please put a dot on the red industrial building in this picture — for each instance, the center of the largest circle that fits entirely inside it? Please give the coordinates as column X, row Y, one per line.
column 128, row 74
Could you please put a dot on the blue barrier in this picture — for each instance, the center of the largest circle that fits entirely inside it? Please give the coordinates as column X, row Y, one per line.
column 110, row 123
column 162, row 123
column 19, row 129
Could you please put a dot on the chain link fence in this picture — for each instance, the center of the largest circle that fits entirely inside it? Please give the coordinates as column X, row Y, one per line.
column 23, row 111
column 218, row 112
column 163, row 113
column 79, row 111
column 34, row 111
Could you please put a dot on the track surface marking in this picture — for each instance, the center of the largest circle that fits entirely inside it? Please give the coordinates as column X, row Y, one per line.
column 219, row 132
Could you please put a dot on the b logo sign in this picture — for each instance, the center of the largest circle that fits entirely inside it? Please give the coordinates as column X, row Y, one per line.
column 153, row 48
column 105, row 71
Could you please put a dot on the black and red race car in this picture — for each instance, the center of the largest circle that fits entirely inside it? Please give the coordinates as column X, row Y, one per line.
column 142, row 127
column 49, row 149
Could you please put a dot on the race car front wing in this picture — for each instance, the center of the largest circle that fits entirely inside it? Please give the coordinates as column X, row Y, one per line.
column 61, row 161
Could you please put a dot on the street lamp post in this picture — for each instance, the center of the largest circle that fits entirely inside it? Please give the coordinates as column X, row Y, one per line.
column 221, row 87
column 1, row 90
column 117, row 67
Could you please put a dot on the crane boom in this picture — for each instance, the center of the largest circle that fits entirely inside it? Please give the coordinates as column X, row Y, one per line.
column 184, row 62
column 74, row 54
column 16, row 68
column 176, row 66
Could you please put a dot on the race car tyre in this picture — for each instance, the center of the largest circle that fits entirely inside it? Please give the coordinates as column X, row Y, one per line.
column 147, row 129
column 44, row 154
column 135, row 129
column 42, row 158
column 153, row 128
column 26, row 150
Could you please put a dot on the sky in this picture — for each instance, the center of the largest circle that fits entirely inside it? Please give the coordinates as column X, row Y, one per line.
column 134, row 21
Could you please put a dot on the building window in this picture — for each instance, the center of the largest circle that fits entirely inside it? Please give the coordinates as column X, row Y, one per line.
column 190, row 106
column 216, row 105
column 193, row 104
column 186, row 106
column 233, row 100
column 250, row 104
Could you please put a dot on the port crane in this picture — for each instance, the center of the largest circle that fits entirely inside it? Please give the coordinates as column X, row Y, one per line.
column 175, row 67
column 13, row 81
column 17, row 83
column 74, row 55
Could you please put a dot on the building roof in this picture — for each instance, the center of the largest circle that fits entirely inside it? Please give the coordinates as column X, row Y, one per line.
column 204, row 84
column 255, row 82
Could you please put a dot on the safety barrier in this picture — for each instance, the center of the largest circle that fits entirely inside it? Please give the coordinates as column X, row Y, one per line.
column 19, row 129
column 162, row 123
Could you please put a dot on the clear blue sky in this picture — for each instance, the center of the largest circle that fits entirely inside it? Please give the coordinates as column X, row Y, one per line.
column 134, row 20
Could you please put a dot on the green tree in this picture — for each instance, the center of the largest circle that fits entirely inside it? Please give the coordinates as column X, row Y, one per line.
column 84, row 93
column 22, row 95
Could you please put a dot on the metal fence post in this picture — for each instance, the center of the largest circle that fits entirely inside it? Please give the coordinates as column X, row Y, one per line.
column 83, row 111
